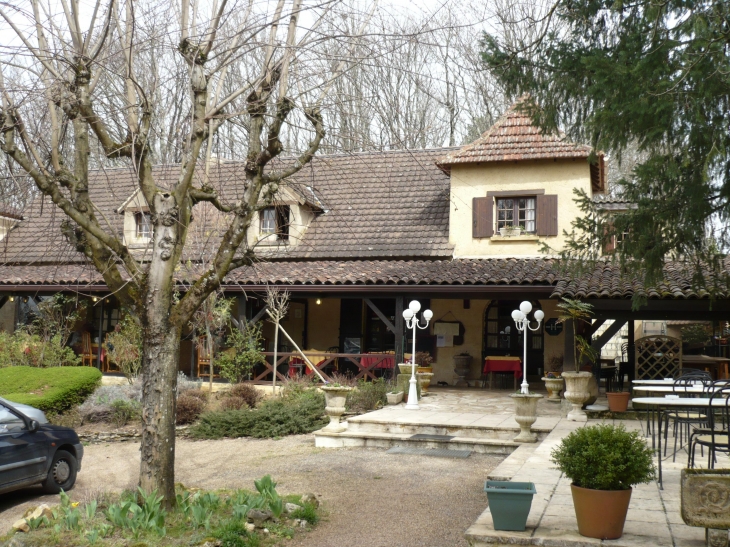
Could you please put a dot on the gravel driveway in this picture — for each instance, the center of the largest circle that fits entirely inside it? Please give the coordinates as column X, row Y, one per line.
column 371, row 498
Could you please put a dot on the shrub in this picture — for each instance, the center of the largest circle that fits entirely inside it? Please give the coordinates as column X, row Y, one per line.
column 125, row 347
column 31, row 350
column 188, row 409
column 604, row 457
column 245, row 351
column 291, row 415
column 368, row 395
column 196, row 393
column 233, row 403
column 247, row 392
column 99, row 407
column 123, row 412
column 51, row 389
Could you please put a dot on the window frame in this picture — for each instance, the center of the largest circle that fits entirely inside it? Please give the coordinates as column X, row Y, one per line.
column 515, row 209
column 281, row 222
column 139, row 224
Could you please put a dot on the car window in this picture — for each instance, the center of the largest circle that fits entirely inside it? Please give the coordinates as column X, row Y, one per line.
column 9, row 422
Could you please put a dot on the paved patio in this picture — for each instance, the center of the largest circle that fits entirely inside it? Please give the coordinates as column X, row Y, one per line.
column 654, row 515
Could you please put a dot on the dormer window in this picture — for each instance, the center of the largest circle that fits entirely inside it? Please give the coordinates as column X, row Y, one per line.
column 142, row 223
column 275, row 221
column 516, row 212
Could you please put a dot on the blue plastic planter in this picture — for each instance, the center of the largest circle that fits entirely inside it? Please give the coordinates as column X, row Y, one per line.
column 509, row 503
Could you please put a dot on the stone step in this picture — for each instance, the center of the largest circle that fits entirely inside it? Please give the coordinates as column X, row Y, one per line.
column 325, row 439
column 363, row 425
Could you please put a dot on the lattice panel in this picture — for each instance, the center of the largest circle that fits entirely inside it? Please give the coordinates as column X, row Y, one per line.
column 658, row 357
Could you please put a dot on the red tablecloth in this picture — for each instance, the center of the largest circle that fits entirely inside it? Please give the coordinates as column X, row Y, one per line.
column 503, row 364
column 387, row 362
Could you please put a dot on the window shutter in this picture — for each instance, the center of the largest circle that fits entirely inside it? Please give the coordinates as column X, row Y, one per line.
column 547, row 215
column 609, row 245
column 482, row 223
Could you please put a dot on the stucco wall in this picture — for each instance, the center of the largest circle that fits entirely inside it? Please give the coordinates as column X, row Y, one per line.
column 7, row 316
column 324, row 323
column 470, row 181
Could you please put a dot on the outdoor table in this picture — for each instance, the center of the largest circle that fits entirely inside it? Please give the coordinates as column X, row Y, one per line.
column 498, row 363
column 718, row 365
column 662, row 404
column 678, row 390
column 655, row 382
column 377, row 361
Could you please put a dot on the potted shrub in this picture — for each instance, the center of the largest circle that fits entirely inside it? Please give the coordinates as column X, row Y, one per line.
column 462, row 363
column 553, row 380
column 576, row 383
column 618, row 401
column 604, row 462
column 424, row 361
column 509, row 503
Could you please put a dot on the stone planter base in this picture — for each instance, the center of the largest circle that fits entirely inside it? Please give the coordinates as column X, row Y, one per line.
column 335, row 400
column 394, row 398
column 553, row 386
column 461, row 368
column 576, row 391
column 525, row 415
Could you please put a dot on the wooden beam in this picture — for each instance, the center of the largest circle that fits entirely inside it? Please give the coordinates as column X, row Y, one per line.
column 609, row 333
column 399, row 330
column 568, row 351
column 595, row 326
column 380, row 314
column 258, row 316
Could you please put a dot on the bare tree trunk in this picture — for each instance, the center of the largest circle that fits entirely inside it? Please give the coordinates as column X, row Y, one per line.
column 276, row 356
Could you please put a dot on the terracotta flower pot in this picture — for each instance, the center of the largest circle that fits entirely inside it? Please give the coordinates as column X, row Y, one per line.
column 618, row 402
column 601, row 514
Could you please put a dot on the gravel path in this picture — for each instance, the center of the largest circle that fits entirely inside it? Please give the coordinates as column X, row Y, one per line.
column 371, row 499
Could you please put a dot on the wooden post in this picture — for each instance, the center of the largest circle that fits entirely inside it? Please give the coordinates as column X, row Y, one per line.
column 398, row 334
column 631, row 353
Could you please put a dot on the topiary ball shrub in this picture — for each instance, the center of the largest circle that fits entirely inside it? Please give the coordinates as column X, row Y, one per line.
column 188, row 409
column 605, row 457
column 197, row 393
column 250, row 395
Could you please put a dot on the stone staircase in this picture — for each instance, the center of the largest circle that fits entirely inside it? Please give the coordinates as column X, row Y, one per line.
column 372, row 430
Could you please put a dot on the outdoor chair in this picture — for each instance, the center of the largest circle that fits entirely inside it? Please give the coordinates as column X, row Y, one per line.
column 716, row 437
column 684, row 419
column 335, row 363
column 203, row 363
column 87, row 356
column 625, row 368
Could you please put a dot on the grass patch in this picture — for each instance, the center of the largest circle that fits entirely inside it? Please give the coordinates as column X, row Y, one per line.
column 54, row 389
column 138, row 519
column 296, row 413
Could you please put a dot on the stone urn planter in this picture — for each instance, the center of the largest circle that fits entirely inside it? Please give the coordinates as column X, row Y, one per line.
column 461, row 368
column 525, row 415
column 406, row 368
column 553, row 387
column 424, row 378
column 705, row 502
column 335, row 397
column 576, row 392
column 394, row 398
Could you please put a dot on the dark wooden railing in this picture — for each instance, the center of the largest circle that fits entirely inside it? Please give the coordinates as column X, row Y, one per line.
column 363, row 365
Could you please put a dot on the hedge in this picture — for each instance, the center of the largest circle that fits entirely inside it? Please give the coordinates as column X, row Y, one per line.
column 55, row 389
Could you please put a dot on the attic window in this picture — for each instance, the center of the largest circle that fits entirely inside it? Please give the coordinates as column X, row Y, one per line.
column 142, row 223
column 513, row 212
column 275, row 220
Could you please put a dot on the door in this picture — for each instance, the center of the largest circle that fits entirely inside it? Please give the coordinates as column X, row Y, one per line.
column 23, row 454
column 501, row 337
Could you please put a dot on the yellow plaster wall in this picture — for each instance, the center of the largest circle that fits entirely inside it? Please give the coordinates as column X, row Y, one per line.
column 7, row 316
column 554, row 345
column 294, row 325
column 470, row 181
column 324, row 323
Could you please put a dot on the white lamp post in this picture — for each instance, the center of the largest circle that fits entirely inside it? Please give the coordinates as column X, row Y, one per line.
column 523, row 325
column 412, row 323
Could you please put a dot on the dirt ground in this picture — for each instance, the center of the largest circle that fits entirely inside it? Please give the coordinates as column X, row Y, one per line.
column 371, row 498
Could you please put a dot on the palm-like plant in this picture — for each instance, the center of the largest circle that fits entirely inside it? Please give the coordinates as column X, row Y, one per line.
column 577, row 311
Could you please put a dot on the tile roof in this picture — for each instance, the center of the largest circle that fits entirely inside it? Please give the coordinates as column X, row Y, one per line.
column 392, row 204
column 604, row 282
column 514, row 137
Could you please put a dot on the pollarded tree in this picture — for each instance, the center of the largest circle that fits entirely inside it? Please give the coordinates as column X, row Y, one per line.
column 97, row 85
column 650, row 78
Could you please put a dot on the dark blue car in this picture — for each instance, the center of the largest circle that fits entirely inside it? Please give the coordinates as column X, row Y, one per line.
column 32, row 451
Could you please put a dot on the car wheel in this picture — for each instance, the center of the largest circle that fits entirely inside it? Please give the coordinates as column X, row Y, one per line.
column 62, row 473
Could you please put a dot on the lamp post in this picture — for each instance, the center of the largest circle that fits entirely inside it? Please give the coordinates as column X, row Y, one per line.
column 523, row 325
column 412, row 322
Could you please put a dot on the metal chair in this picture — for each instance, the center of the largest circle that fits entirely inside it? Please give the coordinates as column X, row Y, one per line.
column 684, row 419
column 716, row 437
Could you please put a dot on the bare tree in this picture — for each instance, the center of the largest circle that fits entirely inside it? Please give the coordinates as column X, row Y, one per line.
column 115, row 83
column 277, row 305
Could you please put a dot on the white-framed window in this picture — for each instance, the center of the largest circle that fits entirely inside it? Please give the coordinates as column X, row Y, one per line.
column 275, row 220
column 142, row 225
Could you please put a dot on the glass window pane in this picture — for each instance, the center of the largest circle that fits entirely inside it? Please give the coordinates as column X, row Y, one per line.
column 526, row 214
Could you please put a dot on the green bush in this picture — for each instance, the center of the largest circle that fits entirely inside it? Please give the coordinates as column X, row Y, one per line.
column 604, row 457
column 55, row 389
column 292, row 415
column 123, row 412
column 24, row 349
column 368, row 395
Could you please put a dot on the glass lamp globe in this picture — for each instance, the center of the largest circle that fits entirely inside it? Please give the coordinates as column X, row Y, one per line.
column 407, row 315
column 507, row 330
column 539, row 315
column 520, row 316
column 525, row 307
column 414, row 306
column 516, row 315
column 427, row 315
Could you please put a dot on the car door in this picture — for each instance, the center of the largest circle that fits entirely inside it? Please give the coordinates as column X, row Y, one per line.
column 23, row 453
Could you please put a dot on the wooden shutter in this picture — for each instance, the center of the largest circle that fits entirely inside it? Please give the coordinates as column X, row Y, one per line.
column 609, row 245
column 547, row 215
column 482, row 223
